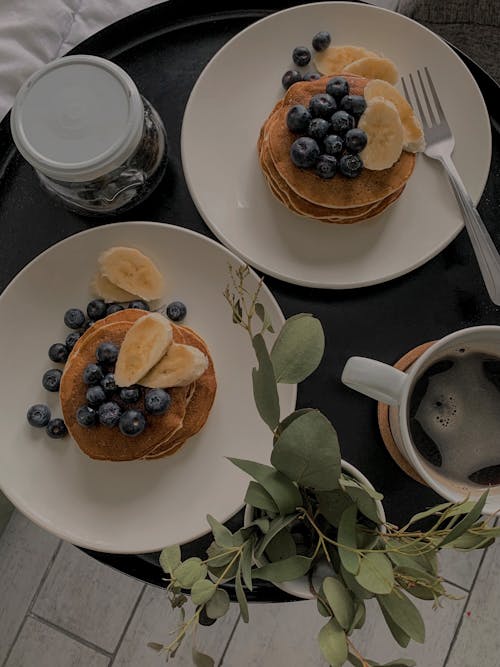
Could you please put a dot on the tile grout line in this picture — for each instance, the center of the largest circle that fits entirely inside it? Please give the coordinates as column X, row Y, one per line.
column 127, row 625
column 229, row 640
column 70, row 634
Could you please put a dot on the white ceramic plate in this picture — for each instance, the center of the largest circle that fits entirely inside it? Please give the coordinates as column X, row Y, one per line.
column 136, row 506
column 236, row 92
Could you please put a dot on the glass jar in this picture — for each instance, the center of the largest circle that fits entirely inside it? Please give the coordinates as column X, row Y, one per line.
column 94, row 141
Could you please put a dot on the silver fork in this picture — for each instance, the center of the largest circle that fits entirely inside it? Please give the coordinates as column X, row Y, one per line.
column 440, row 144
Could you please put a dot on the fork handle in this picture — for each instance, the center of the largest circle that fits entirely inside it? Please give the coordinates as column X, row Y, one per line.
column 486, row 253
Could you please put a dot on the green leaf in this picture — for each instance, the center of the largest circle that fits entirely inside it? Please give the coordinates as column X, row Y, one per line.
column 284, row 570
column 468, row 520
column 218, row 555
column 281, row 546
column 347, row 538
column 351, row 583
column 222, row 536
column 399, row 635
column 240, row 596
column 275, row 527
column 307, row 451
column 366, row 504
column 333, row 643
column 401, row 662
column 190, row 571
column 376, row 573
column 258, row 497
column 155, row 646
column 427, row 513
column 332, row 504
column 170, row 558
column 246, row 563
column 340, row 601
column 402, row 560
column 298, row 349
column 404, row 614
column 281, row 489
column 323, row 609
column 201, row 659
column 284, row 423
column 265, row 391
column 264, row 317
column 262, row 523
column 469, row 542
column 228, row 573
column 354, row 660
column 218, row 605
column 202, row 591
column 359, row 616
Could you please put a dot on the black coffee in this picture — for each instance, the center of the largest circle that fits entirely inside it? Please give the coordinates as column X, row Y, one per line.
column 454, row 416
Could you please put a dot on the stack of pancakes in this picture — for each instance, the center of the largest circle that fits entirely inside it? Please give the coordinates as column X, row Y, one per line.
column 164, row 434
column 340, row 199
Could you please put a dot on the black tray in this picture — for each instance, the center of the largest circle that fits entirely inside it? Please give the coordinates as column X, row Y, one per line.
column 164, row 49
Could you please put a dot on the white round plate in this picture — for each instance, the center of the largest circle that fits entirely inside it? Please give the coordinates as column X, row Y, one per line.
column 236, row 92
column 135, row 506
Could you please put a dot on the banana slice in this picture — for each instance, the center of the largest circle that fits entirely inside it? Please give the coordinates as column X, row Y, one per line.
column 145, row 343
column 413, row 139
column 374, row 67
column 384, row 130
column 334, row 59
column 181, row 365
column 104, row 288
column 132, row 271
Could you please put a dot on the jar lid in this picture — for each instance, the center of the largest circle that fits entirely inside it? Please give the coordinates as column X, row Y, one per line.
column 77, row 118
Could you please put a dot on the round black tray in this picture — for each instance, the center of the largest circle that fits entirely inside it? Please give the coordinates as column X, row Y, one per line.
column 164, row 49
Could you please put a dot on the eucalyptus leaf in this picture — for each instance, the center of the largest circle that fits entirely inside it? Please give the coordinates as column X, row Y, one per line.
column 348, row 482
column 427, row 513
column 218, row 605
column 366, row 504
column 469, row 542
column 359, row 592
column 155, row 646
column 284, row 570
column 281, row 546
column 332, row 504
column 246, row 563
column 218, row 556
column 307, row 451
column 376, row 573
column 190, row 571
column 288, row 420
column 263, row 523
column 240, row 596
column 403, row 560
column 275, row 527
column 347, row 540
column 323, row 609
column 201, row 659
column 264, row 317
column 339, row 600
column 170, row 558
column 222, row 536
column 258, row 497
column 468, row 520
column 399, row 635
column 298, row 349
column 202, row 591
column 265, row 391
column 404, row 613
column 358, row 620
column 333, row 643
column 226, row 573
column 354, row 660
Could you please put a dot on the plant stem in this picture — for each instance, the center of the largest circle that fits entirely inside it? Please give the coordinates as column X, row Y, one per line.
column 357, row 653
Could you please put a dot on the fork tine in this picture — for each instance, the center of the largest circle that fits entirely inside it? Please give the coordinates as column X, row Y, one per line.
column 423, row 119
column 435, row 97
column 405, row 90
column 424, row 90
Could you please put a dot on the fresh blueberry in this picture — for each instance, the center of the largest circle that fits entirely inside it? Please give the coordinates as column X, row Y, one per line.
column 321, row 40
column 107, row 353
column 71, row 339
column 114, row 308
column 74, row 318
column 108, row 383
column 290, row 77
column 334, row 145
column 95, row 396
column 342, row 122
column 58, row 352
column 86, row 416
column 322, row 105
column 326, row 166
column 311, row 76
column 318, row 128
column 92, row 374
column 109, row 414
column 132, row 423
column 38, row 415
column 96, row 309
column 130, row 394
column 52, row 379
column 301, row 56
column 298, row 118
column 87, row 325
column 351, row 165
column 56, row 428
column 355, row 140
column 139, row 305
column 156, row 401
column 304, row 152
column 338, row 87
column 353, row 104
column 176, row 311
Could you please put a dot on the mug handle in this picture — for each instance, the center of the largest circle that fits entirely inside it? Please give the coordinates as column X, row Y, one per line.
column 374, row 379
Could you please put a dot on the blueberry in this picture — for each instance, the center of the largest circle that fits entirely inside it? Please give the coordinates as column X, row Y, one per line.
column 311, row 76
column 297, row 118
column 139, row 305
column 132, row 423
column 58, row 352
column 130, row 394
column 86, row 416
column 341, row 122
column 108, row 383
column 338, row 87
column 87, row 325
column 107, row 353
column 113, row 308
column 290, row 77
column 96, row 309
column 176, row 311
column 304, row 152
column 109, row 414
column 353, row 104
column 355, row 140
column 38, row 415
column 350, row 165
column 74, row 318
column 326, row 166
column 71, row 339
column 56, row 428
column 156, row 401
column 334, row 145
column 322, row 105
column 301, row 56
column 321, row 40
column 318, row 128
column 92, row 374
column 52, row 379
column 95, row 396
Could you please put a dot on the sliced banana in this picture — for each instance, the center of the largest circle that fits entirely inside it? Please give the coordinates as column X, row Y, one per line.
column 384, row 130
column 104, row 288
column 334, row 59
column 181, row 365
column 413, row 139
column 374, row 67
column 132, row 271
column 145, row 343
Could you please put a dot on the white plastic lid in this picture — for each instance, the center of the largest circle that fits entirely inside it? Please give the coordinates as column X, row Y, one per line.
column 77, row 118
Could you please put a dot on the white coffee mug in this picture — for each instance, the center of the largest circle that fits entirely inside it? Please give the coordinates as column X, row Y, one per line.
column 387, row 384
